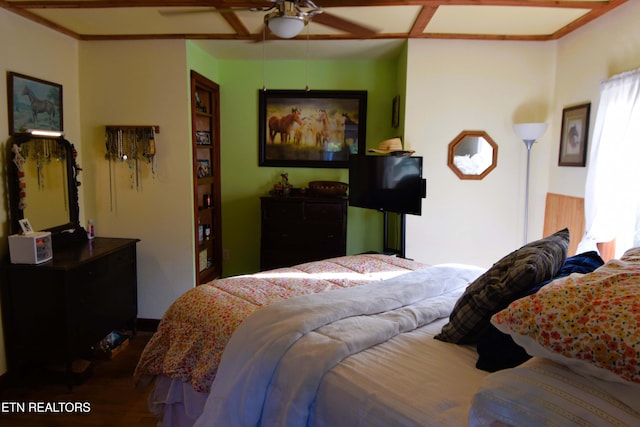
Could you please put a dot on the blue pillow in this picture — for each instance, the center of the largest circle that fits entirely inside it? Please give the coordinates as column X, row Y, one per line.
column 498, row 351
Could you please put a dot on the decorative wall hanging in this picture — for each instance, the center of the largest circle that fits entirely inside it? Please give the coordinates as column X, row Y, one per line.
column 19, row 161
column 574, row 136
column 315, row 128
column 33, row 104
column 130, row 145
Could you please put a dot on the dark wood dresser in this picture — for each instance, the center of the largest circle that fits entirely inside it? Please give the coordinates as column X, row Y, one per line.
column 301, row 229
column 56, row 311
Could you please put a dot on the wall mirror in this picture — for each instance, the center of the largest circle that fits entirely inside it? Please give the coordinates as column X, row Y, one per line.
column 43, row 184
column 472, row 154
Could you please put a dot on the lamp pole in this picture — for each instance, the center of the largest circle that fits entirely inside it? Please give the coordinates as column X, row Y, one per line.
column 528, row 143
column 528, row 133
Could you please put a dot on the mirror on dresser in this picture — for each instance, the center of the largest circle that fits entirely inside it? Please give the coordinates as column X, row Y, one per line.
column 43, row 186
column 472, row 154
column 57, row 310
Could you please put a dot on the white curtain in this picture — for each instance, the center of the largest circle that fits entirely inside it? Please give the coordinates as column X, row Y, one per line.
column 612, row 192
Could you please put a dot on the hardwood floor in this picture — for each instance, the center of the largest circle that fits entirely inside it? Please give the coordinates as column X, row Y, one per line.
column 108, row 393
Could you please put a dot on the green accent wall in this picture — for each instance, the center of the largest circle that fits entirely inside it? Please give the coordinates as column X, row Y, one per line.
column 243, row 181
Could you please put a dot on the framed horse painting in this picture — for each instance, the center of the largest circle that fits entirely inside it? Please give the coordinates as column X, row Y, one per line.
column 34, row 104
column 574, row 135
column 316, row 128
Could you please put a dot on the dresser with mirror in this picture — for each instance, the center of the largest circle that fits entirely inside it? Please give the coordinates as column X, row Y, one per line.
column 55, row 312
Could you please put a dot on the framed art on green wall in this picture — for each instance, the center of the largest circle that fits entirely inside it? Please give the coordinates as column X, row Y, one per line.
column 316, row 128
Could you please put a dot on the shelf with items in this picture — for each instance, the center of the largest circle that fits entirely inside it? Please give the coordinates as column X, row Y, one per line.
column 206, row 177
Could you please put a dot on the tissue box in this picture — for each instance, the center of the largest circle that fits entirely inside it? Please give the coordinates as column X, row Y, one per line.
column 32, row 248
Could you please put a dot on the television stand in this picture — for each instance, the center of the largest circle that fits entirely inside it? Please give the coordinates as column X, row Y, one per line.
column 400, row 241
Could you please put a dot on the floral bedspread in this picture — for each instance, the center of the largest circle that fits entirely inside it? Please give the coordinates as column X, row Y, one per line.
column 195, row 329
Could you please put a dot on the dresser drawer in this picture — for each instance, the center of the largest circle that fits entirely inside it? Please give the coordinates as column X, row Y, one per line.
column 284, row 238
column 324, row 233
column 323, row 212
column 282, row 212
column 90, row 272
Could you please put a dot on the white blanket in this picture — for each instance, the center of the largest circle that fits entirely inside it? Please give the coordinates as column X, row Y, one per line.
column 275, row 361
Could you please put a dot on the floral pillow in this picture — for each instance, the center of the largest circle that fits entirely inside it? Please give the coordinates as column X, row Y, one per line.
column 590, row 322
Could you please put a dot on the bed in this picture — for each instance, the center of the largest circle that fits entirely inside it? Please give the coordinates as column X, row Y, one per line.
column 376, row 340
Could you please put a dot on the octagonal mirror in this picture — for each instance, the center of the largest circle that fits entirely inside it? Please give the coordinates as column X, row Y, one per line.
column 472, row 154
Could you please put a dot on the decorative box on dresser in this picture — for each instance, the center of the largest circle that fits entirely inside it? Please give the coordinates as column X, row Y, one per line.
column 297, row 229
column 56, row 311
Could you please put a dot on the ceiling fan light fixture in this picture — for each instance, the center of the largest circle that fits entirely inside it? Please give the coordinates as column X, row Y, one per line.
column 285, row 26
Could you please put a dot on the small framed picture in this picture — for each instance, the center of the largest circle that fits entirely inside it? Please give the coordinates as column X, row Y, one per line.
column 33, row 104
column 203, row 137
column 203, row 168
column 25, row 226
column 574, row 135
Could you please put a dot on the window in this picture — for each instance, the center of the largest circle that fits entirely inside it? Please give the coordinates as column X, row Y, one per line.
column 612, row 193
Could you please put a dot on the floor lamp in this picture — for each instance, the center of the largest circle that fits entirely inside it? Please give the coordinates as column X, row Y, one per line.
column 528, row 132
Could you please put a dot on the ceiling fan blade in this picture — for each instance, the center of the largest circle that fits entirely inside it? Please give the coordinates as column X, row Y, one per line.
column 339, row 23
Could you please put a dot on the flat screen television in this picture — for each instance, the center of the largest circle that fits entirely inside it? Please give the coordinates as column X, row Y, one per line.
column 387, row 183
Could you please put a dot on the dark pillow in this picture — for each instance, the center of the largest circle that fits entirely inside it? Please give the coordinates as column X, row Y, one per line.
column 533, row 263
column 497, row 350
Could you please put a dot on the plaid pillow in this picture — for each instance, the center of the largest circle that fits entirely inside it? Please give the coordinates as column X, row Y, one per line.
column 531, row 264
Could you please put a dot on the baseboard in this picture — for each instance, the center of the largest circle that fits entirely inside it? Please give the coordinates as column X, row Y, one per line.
column 147, row 325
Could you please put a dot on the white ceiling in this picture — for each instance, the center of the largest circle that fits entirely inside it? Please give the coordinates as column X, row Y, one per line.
column 393, row 20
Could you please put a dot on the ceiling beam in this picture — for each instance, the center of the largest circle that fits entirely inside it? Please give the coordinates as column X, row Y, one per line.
column 353, row 30
column 75, row 4
column 422, row 20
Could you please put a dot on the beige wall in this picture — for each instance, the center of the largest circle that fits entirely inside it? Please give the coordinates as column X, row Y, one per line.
column 33, row 50
column 477, row 85
column 141, row 83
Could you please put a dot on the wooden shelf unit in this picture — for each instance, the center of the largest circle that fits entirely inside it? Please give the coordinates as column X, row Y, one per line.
column 205, row 123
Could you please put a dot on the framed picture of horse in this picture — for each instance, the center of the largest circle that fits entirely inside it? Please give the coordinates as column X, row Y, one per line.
column 33, row 104
column 574, row 135
column 316, row 128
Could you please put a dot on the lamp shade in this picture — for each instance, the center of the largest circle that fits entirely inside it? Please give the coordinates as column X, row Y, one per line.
column 286, row 27
column 529, row 131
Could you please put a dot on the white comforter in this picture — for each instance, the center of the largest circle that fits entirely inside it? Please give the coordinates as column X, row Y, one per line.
column 275, row 361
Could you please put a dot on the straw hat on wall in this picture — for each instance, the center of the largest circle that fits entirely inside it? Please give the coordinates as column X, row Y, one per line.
column 391, row 146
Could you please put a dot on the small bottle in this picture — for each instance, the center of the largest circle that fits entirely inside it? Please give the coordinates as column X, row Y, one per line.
column 90, row 230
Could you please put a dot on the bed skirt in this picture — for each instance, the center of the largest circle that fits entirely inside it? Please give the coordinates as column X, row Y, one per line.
column 174, row 403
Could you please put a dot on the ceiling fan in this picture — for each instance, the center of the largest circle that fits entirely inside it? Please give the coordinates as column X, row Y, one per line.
column 287, row 18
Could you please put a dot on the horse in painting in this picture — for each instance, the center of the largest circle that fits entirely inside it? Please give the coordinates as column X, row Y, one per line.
column 323, row 128
column 39, row 106
column 283, row 125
